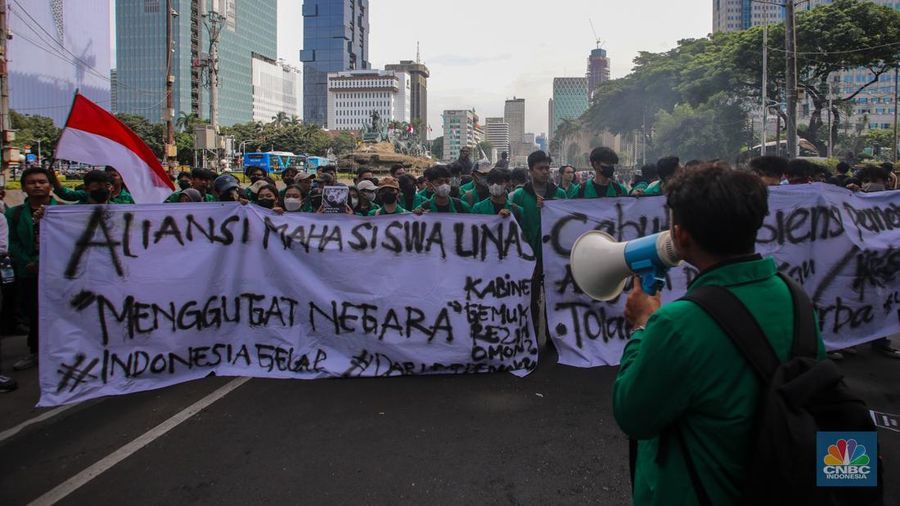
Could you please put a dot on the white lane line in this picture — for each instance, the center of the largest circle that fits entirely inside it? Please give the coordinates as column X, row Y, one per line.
column 8, row 433
column 73, row 483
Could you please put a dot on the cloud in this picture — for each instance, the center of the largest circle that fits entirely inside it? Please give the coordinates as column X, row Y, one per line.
column 453, row 60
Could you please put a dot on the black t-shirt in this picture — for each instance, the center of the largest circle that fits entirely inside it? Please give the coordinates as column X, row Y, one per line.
column 443, row 209
column 498, row 207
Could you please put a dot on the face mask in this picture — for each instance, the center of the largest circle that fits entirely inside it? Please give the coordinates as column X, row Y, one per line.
column 455, row 181
column 267, row 203
column 873, row 187
column 608, row 171
column 497, row 190
column 353, row 202
column 370, row 196
column 292, row 205
column 184, row 185
column 288, row 181
column 389, row 197
column 442, row 190
column 100, row 195
column 254, row 178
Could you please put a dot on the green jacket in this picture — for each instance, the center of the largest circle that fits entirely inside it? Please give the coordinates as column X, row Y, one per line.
column 473, row 196
column 21, row 237
column 525, row 198
column 654, row 188
column 467, row 187
column 173, row 198
column 486, row 206
column 457, row 206
column 572, row 192
column 367, row 212
column 422, row 197
column 683, row 369
column 81, row 196
column 641, row 186
column 382, row 212
column 613, row 189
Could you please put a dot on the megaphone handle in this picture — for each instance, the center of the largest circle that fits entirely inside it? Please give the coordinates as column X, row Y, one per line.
column 652, row 282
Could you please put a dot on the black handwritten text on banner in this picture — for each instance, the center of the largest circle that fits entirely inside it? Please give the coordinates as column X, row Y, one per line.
column 843, row 248
column 140, row 297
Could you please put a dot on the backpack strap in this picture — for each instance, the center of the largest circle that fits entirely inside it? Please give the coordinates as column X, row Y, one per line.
column 582, row 187
column 740, row 326
column 805, row 335
column 702, row 496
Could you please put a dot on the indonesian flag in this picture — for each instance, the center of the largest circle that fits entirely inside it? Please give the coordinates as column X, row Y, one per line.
column 94, row 136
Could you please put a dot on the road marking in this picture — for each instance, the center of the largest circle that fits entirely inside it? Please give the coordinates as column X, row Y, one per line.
column 8, row 433
column 104, row 464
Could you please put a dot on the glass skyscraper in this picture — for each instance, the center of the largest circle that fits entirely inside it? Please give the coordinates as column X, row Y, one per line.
column 335, row 39
column 249, row 26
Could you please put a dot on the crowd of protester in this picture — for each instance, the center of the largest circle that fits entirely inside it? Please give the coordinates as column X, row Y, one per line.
column 463, row 186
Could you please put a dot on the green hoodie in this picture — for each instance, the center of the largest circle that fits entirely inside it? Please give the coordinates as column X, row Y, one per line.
column 683, row 369
column 81, row 196
column 525, row 198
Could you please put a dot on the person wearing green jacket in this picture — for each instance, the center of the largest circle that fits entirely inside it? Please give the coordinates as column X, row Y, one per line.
column 603, row 161
column 389, row 196
column 567, row 181
column 679, row 370
column 201, row 179
column 478, row 190
column 23, row 222
column 118, row 193
column 666, row 168
column 442, row 202
column 427, row 193
column 498, row 203
column 531, row 198
column 645, row 179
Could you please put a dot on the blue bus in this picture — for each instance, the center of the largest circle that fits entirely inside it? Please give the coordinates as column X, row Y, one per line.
column 274, row 162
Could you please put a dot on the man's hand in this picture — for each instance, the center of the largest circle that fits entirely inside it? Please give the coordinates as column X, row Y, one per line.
column 419, row 211
column 38, row 213
column 505, row 213
column 640, row 306
column 540, row 201
column 31, row 268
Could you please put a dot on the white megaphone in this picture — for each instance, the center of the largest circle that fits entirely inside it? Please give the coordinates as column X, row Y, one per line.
column 601, row 266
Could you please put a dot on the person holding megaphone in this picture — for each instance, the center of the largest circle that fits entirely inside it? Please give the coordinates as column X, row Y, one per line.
column 680, row 373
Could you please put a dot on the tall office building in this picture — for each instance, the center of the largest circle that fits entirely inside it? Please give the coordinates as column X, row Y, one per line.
column 356, row 95
column 514, row 114
column 114, row 93
column 461, row 128
column 418, row 85
column 57, row 47
column 550, row 120
column 570, row 99
column 542, row 142
column 597, row 70
column 276, row 88
column 246, row 27
column 731, row 15
column 335, row 39
column 496, row 131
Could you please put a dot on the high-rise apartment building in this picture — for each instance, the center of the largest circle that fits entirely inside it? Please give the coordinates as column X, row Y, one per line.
column 496, row 131
column 461, row 128
column 550, row 119
column 418, row 85
column 245, row 27
column 335, row 39
column 570, row 99
column 58, row 47
column 514, row 114
column 276, row 88
column 597, row 70
column 355, row 96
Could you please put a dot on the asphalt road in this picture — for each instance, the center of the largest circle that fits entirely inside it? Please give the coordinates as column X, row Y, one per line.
column 549, row 438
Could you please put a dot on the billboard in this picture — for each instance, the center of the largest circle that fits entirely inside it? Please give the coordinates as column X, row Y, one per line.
column 58, row 46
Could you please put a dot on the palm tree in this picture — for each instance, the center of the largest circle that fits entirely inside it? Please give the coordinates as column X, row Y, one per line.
column 186, row 121
column 280, row 119
column 294, row 121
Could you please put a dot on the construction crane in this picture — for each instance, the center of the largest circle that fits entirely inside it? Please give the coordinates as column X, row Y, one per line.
column 600, row 42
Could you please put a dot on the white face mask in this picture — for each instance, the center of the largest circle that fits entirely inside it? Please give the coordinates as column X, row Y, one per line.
column 370, row 196
column 353, row 202
column 497, row 190
column 292, row 205
column 442, row 190
column 455, row 181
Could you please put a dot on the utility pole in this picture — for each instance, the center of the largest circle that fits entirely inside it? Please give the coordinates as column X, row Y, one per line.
column 170, row 85
column 790, row 46
column 765, row 84
column 215, row 29
column 830, row 137
column 6, row 135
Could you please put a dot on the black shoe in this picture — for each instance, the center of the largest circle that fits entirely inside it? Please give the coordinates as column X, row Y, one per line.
column 7, row 384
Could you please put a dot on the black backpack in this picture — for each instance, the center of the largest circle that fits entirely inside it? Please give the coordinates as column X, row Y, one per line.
column 799, row 397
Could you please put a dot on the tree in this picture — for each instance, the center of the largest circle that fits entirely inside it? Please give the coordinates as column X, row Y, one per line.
column 711, row 130
column 280, row 119
column 187, row 121
column 150, row 133
column 31, row 129
column 880, row 141
column 344, row 143
column 567, row 130
column 437, row 148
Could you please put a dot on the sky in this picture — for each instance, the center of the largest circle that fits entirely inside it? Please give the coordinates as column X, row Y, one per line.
column 481, row 52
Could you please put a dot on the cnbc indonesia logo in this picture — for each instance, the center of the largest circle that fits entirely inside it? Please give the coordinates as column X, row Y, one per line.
column 846, row 461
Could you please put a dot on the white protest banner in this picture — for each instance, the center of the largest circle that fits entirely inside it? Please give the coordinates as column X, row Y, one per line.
column 140, row 297
column 842, row 247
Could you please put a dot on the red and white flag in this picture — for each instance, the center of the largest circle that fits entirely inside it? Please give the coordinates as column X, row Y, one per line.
column 94, row 136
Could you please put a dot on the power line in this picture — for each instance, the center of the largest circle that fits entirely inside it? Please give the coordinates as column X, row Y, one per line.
column 849, row 51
